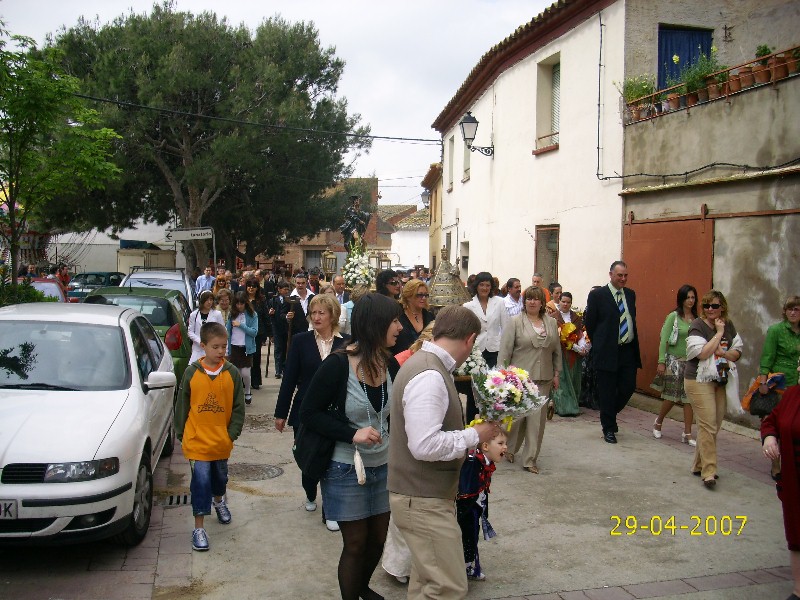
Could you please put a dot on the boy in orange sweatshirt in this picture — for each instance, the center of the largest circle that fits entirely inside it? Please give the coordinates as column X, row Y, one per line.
column 209, row 415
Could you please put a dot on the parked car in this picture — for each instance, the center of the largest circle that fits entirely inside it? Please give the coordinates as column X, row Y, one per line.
column 85, row 412
column 83, row 283
column 173, row 279
column 49, row 287
column 168, row 313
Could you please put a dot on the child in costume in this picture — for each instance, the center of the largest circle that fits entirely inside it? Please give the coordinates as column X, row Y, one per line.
column 472, row 502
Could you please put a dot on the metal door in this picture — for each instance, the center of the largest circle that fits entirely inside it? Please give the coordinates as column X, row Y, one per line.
column 661, row 257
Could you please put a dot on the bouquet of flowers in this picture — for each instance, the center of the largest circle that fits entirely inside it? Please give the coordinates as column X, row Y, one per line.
column 569, row 335
column 357, row 270
column 502, row 394
column 474, row 365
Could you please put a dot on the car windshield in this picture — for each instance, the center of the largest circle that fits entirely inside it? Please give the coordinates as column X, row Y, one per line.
column 61, row 356
column 168, row 284
column 155, row 310
column 51, row 290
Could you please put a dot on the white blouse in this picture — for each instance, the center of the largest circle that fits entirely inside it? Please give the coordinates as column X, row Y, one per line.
column 492, row 322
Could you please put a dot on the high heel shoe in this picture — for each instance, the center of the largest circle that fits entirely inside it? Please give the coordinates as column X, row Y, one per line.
column 686, row 438
column 657, row 432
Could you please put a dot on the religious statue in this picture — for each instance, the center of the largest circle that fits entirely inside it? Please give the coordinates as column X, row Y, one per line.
column 354, row 226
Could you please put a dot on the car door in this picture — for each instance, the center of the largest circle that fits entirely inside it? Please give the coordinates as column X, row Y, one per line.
column 151, row 356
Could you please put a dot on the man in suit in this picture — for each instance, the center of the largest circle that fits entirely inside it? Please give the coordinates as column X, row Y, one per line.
column 278, row 309
column 610, row 320
column 338, row 286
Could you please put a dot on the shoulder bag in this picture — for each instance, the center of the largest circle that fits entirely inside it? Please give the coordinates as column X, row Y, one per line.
column 762, row 404
column 673, row 337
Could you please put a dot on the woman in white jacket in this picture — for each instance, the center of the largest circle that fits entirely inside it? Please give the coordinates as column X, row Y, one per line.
column 204, row 313
column 491, row 310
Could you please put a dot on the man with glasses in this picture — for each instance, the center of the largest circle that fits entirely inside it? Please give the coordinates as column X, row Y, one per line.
column 387, row 282
column 610, row 320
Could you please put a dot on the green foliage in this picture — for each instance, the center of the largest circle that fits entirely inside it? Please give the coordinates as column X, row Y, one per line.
column 50, row 145
column 639, row 86
column 21, row 293
column 212, row 165
column 763, row 50
column 694, row 75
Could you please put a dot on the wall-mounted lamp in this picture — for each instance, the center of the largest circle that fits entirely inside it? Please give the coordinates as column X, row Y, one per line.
column 469, row 127
column 426, row 198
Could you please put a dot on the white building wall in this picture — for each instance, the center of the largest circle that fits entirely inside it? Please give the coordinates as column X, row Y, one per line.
column 411, row 247
column 497, row 209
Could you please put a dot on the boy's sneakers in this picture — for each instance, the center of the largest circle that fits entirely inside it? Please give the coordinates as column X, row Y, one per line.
column 248, row 399
column 223, row 512
column 311, row 506
column 199, row 540
column 475, row 574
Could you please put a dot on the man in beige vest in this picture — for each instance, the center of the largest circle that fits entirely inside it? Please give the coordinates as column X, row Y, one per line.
column 427, row 447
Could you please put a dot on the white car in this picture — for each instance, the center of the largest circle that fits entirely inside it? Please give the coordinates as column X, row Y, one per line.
column 85, row 412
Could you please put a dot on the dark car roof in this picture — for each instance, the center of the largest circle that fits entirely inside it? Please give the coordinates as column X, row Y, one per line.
column 160, row 296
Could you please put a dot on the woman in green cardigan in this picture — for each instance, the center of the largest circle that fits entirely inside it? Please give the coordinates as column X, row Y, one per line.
column 672, row 361
column 782, row 346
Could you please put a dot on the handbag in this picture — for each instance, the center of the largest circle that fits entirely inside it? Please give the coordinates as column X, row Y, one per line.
column 762, row 404
column 312, row 452
column 673, row 337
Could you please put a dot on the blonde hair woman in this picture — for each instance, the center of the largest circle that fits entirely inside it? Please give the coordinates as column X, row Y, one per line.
column 415, row 316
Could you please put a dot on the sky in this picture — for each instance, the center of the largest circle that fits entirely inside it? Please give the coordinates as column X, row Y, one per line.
column 404, row 60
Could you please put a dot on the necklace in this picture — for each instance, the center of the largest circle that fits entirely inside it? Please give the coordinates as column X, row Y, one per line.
column 381, row 423
column 414, row 315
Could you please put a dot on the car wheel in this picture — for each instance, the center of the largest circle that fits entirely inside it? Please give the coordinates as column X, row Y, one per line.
column 139, row 520
column 169, row 444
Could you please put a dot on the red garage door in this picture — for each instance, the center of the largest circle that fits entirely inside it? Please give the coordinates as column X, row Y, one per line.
column 661, row 257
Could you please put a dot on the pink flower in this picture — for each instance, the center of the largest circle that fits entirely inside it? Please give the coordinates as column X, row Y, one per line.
column 497, row 380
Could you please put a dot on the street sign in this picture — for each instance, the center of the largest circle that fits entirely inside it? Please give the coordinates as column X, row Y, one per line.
column 190, row 233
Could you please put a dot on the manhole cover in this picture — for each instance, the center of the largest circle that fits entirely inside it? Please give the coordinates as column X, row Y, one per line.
column 259, row 422
column 250, row 472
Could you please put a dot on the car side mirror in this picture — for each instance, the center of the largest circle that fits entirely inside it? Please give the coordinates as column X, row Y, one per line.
column 158, row 380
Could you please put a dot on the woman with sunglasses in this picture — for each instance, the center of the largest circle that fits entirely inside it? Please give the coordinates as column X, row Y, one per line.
column 220, row 283
column 782, row 346
column 387, row 283
column 711, row 347
column 415, row 316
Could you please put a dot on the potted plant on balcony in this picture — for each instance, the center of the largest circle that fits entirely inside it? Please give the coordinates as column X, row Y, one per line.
column 699, row 76
column 793, row 61
column 638, row 93
column 761, row 73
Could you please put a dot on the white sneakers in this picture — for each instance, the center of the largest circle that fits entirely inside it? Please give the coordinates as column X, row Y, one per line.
column 311, row 506
column 331, row 525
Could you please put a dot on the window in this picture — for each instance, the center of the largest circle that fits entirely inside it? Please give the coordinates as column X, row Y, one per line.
column 312, row 258
column 547, row 253
column 548, row 103
column 451, row 151
column 685, row 43
column 447, row 243
column 467, row 154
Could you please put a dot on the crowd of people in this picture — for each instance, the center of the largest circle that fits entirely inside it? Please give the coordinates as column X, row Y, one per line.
column 339, row 353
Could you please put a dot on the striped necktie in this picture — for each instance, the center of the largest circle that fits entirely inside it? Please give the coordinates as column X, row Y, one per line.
column 623, row 320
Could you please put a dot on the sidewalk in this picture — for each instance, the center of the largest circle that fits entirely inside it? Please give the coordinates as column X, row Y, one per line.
column 554, row 529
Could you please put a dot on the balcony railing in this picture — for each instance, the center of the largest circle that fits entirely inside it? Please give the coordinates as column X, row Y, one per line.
column 764, row 70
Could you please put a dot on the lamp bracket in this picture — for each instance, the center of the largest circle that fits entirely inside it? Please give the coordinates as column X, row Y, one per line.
column 485, row 150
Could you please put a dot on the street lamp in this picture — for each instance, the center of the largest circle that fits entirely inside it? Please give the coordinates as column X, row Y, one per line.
column 426, row 198
column 329, row 263
column 469, row 127
column 386, row 262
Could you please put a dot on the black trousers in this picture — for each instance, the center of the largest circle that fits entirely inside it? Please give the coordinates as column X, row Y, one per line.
column 255, row 372
column 615, row 388
column 279, row 341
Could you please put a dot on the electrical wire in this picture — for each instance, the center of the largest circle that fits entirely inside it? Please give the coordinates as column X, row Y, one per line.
column 181, row 113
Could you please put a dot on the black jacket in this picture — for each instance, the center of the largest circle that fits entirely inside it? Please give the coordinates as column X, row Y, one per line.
column 602, row 324
column 301, row 364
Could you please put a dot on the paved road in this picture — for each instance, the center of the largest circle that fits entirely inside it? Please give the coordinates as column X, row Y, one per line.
column 554, row 529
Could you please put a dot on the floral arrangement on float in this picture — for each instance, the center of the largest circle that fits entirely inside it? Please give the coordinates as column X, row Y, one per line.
column 357, row 269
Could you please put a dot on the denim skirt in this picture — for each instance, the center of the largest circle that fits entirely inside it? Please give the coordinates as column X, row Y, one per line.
column 345, row 500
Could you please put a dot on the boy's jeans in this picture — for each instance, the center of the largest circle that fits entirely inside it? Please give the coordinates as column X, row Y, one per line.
column 209, row 479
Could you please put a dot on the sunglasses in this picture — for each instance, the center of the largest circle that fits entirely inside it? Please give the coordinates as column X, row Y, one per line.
column 714, row 306
column 252, row 285
column 423, row 295
column 393, row 282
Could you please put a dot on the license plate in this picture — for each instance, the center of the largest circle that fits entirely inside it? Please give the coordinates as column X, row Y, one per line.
column 8, row 509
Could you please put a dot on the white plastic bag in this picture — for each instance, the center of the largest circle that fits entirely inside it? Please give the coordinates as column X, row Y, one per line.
column 359, row 466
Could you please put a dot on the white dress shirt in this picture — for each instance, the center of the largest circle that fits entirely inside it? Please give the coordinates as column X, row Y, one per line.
column 513, row 308
column 425, row 403
column 492, row 322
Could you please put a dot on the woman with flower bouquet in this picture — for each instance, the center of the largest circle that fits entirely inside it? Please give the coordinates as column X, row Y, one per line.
column 574, row 347
column 531, row 343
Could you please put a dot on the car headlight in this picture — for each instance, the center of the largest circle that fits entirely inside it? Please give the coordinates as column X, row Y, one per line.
column 81, row 471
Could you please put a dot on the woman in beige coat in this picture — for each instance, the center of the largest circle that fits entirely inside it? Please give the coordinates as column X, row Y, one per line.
column 531, row 342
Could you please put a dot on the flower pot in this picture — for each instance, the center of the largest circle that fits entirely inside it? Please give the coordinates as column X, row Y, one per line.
column 691, row 98
column 761, row 73
column 702, row 95
column 777, row 67
column 674, row 101
column 793, row 65
column 746, row 77
column 713, row 87
column 733, row 85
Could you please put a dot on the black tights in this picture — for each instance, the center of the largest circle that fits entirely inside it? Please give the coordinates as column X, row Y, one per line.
column 363, row 546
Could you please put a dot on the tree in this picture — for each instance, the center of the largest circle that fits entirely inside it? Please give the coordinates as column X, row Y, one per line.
column 49, row 145
column 215, row 158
